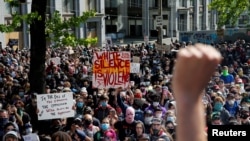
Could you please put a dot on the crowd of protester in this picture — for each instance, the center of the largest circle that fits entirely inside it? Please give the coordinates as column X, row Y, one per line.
column 146, row 110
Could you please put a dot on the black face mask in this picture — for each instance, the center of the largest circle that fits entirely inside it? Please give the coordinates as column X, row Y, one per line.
column 171, row 131
column 87, row 122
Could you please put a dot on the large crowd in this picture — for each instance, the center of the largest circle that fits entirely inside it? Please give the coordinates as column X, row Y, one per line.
column 144, row 111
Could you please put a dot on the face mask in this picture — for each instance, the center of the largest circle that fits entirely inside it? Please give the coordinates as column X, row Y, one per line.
column 147, row 120
column 79, row 104
column 231, row 102
column 87, row 122
column 171, row 118
column 218, row 106
column 158, row 115
column 3, row 121
column 104, row 104
column 21, row 94
column 225, row 72
column 12, row 118
column 28, row 130
column 155, row 104
column 171, row 131
column 155, row 132
column 104, row 126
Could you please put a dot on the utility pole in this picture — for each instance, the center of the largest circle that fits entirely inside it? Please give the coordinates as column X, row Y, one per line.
column 160, row 26
column 172, row 18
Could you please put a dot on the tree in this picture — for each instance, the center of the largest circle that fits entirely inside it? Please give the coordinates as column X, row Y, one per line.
column 37, row 21
column 59, row 30
column 38, row 48
column 229, row 11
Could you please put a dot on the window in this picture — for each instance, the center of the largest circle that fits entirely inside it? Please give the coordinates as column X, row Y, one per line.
column 201, row 2
column 164, row 3
column 10, row 10
column 191, row 22
column 68, row 6
column 135, row 3
column 243, row 19
column 201, row 24
column 210, row 21
column 191, row 2
column 181, row 25
column 92, row 26
column 48, row 7
column 111, row 3
column 92, row 5
column 182, row 3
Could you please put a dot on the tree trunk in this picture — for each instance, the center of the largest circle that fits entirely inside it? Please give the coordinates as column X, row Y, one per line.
column 38, row 48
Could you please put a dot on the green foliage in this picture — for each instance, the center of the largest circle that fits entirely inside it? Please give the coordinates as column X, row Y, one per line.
column 13, row 3
column 17, row 21
column 18, row 18
column 58, row 30
column 229, row 11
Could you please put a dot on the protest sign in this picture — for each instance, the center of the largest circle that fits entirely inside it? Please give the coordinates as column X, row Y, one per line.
column 56, row 105
column 31, row 137
column 111, row 69
column 136, row 59
column 135, row 68
column 56, row 60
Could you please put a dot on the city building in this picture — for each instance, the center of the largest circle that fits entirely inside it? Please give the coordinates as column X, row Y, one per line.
column 120, row 19
column 94, row 27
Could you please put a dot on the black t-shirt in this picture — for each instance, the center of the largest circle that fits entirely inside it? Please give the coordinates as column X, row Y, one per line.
column 124, row 129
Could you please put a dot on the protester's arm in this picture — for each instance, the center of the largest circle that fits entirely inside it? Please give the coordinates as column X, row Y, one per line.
column 120, row 102
column 193, row 69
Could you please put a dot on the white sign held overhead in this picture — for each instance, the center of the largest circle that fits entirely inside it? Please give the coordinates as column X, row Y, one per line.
column 56, row 105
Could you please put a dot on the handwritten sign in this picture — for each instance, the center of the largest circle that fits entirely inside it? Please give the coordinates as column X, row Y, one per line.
column 136, row 59
column 111, row 69
column 135, row 68
column 57, row 105
column 31, row 137
column 56, row 60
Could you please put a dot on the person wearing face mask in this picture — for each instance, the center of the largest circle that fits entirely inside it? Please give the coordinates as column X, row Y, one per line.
column 79, row 106
column 89, row 129
column 126, row 127
column 227, row 77
column 218, row 108
column 155, row 104
column 31, row 109
column 170, row 126
column 4, row 119
column 157, row 112
column 157, row 132
column 103, row 109
column 231, row 105
column 106, row 133
column 148, row 116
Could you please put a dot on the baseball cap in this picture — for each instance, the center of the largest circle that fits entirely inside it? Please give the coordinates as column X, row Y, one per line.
column 10, row 134
column 156, row 121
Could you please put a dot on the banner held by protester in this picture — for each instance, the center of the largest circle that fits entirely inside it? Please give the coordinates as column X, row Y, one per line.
column 111, row 69
column 57, row 105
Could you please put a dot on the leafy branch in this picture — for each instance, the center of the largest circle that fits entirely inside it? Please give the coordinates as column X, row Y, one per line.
column 58, row 30
column 17, row 21
column 229, row 11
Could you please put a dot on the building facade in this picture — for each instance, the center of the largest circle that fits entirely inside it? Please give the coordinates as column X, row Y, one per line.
column 122, row 18
column 139, row 17
column 94, row 27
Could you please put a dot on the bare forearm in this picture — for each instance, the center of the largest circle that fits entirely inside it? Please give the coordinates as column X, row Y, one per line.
column 190, row 121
